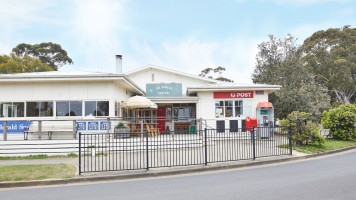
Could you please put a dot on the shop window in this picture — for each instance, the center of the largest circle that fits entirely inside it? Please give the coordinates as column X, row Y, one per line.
column 238, row 108
column 97, row 108
column 229, row 108
column 219, row 109
column 39, row 109
column 12, row 109
column 69, row 108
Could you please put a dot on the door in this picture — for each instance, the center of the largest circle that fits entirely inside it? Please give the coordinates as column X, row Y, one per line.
column 161, row 113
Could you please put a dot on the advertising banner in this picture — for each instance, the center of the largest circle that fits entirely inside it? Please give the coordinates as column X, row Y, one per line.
column 233, row 95
column 15, row 127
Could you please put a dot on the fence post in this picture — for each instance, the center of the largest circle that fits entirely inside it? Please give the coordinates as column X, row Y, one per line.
column 80, row 153
column 147, row 161
column 5, row 131
column 39, row 130
column 253, row 142
column 290, row 139
column 206, row 146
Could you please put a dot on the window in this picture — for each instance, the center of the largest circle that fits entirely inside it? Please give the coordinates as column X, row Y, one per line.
column 69, row 108
column 228, row 109
column 260, row 92
column 238, row 108
column 12, row 109
column 117, row 109
column 97, row 108
column 39, row 109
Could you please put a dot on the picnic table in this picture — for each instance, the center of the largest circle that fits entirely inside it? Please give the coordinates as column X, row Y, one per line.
column 135, row 127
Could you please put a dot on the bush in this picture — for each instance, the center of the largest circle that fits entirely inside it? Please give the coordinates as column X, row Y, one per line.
column 341, row 122
column 303, row 130
column 121, row 125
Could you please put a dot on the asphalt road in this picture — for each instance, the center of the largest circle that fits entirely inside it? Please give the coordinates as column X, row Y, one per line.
column 327, row 178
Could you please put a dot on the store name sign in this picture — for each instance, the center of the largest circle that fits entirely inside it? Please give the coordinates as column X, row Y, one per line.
column 163, row 89
column 233, row 95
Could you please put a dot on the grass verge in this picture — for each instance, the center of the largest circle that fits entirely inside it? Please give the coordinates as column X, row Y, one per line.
column 330, row 144
column 41, row 156
column 36, row 172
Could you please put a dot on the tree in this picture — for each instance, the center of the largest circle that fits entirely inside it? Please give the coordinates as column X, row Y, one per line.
column 331, row 56
column 48, row 52
column 279, row 63
column 15, row 64
column 219, row 70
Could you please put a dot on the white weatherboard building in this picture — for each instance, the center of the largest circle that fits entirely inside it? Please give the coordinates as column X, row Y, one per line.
column 76, row 95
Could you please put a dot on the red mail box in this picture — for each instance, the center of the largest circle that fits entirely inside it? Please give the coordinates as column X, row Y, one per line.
column 250, row 122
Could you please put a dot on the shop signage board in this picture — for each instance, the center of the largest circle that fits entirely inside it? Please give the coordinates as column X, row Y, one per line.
column 15, row 127
column 163, row 89
column 92, row 126
column 233, row 95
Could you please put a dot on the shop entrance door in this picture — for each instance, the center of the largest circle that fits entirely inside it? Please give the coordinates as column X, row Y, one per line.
column 161, row 115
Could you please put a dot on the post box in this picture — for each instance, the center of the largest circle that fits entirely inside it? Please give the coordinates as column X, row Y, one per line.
column 250, row 122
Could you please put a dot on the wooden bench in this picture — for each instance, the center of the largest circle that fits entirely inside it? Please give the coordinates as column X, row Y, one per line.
column 51, row 127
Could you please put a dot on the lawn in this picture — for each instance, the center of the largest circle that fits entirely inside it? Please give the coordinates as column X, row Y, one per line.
column 330, row 144
column 36, row 172
column 41, row 156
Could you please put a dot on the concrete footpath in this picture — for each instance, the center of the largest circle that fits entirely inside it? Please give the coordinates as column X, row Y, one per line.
column 154, row 172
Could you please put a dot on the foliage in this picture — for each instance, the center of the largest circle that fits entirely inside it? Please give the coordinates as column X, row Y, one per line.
column 279, row 63
column 40, row 156
column 15, row 64
column 121, row 125
column 341, row 121
column 303, row 129
column 219, row 70
column 331, row 56
column 48, row 52
column 315, row 147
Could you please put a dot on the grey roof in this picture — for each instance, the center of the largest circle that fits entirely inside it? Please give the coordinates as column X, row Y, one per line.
column 232, row 86
column 58, row 74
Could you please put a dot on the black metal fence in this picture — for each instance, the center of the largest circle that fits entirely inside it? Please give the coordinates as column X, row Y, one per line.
column 132, row 151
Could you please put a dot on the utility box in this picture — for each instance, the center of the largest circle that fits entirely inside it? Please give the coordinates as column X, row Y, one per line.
column 265, row 119
column 250, row 122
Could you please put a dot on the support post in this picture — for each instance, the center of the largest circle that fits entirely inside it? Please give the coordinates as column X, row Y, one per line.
column 290, row 139
column 147, row 161
column 80, row 153
column 39, row 130
column 5, row 131
column 108, row 125
column 75, row 129
column 253, row 142
column 206, row 145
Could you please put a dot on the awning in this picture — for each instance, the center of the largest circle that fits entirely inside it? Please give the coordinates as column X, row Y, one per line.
column 264, row 105
column 138, row 102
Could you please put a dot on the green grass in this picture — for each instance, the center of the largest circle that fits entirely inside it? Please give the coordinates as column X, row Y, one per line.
column 36, row 172
column 41, row 156
column 330, row 144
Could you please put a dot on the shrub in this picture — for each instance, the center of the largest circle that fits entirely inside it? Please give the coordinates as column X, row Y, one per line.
column 303, row 130
column 121, row 125
column 341, row 121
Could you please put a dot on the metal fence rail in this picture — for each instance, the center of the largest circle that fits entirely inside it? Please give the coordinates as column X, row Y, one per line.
column 132, row 151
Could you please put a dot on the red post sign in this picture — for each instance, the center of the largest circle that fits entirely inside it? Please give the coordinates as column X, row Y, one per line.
column 233, row 95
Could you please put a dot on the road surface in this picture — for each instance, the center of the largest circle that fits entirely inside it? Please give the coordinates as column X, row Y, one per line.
column 327, row 178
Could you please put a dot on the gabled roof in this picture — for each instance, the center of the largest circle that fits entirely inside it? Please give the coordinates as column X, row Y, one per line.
column 170, row 71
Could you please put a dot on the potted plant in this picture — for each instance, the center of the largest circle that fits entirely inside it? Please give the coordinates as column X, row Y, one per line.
column 122, row 131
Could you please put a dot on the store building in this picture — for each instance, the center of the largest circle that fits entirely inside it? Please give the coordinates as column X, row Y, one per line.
column 181, row 97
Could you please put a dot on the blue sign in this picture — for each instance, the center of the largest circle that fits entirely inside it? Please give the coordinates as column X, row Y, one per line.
column 81, row 126
column 15, row 127
column 93, row 126
column 163, row 89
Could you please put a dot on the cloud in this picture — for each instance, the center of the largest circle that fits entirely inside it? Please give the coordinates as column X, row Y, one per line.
column 236, row 54
column 307, row 2
column 16, row 15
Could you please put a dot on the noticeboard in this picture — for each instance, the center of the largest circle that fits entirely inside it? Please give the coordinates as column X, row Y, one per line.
column 163, row 89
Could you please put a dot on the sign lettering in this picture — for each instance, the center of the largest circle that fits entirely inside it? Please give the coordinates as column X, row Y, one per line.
column 233, row 95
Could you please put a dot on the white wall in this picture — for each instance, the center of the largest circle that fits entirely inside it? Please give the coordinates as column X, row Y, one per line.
column 145, row 76
column 206, row 107
column 64, row 91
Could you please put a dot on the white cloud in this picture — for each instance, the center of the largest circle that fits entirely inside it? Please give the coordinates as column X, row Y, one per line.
column 190, row 55
column 96, row 26
column 307, row 2
column 16, row 15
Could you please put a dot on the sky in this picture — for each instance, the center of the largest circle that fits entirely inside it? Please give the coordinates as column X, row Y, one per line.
column 183, row 35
